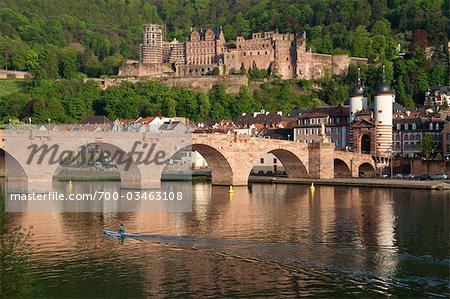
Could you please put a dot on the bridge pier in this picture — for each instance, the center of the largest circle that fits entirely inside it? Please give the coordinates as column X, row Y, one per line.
column 354, row 168
column 321, row 162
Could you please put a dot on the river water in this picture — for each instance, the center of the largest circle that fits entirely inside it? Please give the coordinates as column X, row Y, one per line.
column 265, row 240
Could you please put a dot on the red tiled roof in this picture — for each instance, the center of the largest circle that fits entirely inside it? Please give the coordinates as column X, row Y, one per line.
column 146, row 120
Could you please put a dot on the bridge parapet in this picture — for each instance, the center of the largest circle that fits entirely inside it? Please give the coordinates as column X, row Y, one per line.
column 231, row 156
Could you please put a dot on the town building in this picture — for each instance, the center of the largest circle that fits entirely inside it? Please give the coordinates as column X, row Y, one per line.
column 437, row 96
column 309, row 123
column 206, row 53
column 409, row 132
column 446, row 139
column 263, row 119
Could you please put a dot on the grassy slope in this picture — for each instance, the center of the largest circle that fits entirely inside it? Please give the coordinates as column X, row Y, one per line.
column 9, row 86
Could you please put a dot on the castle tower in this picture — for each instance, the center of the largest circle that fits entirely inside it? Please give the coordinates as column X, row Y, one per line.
column 384, row 98
column 152, row 46
column 358, row 99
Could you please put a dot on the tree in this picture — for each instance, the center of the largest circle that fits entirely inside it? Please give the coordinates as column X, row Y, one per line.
column 16, row 279
column 68, row 64
column 242, row 69
column 426, row 146
column 204, row 106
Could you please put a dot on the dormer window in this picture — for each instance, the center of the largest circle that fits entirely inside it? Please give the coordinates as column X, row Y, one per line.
column 431, row 126
column 414, row 127
column 437, row 127
column 406, row 127
column 399, row 127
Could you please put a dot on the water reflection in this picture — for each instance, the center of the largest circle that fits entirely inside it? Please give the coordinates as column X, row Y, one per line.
column 267, row 240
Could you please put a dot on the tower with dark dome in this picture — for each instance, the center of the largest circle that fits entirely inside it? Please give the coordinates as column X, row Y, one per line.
column 383, row 112
column 358, row 98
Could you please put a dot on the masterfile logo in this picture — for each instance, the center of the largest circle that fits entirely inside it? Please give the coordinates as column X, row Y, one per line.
column 121, row 166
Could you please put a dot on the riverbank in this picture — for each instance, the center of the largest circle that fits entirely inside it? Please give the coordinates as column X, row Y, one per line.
column 356, row 182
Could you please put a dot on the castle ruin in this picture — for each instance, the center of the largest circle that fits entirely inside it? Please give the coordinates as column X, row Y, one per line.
column 207, row 53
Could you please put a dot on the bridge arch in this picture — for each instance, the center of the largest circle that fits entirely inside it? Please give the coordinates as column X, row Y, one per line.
column 16, row 178
column 292, row 164
column 341, row 169
column 221, row 171
column 126, row 167
column 367, row 169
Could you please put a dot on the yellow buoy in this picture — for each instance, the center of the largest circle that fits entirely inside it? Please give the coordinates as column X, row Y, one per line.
column 312, row 188
column 231, row 190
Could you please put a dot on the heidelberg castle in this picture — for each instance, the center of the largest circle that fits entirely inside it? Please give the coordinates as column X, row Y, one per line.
column 207, row 52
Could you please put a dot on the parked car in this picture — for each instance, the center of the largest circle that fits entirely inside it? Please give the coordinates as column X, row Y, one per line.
column 261, row 172
column 252, row 172
column 283, row 173
column 269, row 172
column 408, row 176
column 439, row 176
column 398, row 176
column 361, row 175
column 381, row 176
column 424, row 177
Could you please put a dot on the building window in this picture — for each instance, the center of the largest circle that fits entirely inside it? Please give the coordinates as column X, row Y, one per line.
column 406, row 127
column 414, row 127
column 399, row 127
column 262, row 161
column 274, row 160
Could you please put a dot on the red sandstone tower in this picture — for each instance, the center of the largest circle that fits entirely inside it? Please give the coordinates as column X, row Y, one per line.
column 152, row 46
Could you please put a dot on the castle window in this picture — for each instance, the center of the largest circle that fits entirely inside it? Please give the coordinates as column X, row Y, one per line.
column 431, row 126
column 406, row 127
column 379, row 111
column 245, row 54
column 437, row 127
column 414, row 127
column 399, row 127
column 266, row 52
column 258, row 52
column 287, row 59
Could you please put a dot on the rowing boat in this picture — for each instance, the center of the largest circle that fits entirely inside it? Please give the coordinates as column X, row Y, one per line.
column 114, row 234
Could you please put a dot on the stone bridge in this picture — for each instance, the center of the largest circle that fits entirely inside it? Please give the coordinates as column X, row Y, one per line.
column 230, row 157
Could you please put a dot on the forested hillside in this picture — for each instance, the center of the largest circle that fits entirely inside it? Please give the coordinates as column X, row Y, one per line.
column 92, row 36
column 77, row 38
